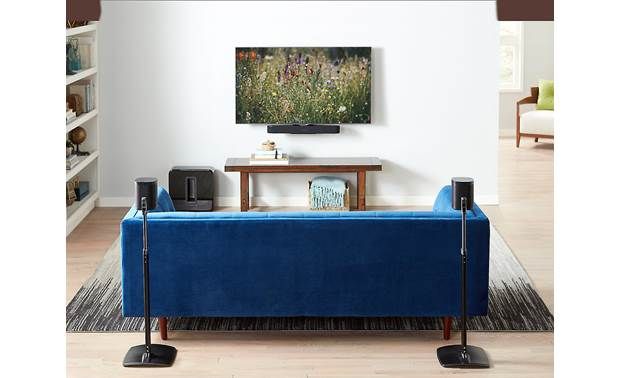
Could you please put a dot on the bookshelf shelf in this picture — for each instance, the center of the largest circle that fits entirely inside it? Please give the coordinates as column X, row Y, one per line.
column 88, row 169
column 71, row 32
column 82, row 74
column 85, row 161
column 78, row 204
column 83, row 118
column 80, row 209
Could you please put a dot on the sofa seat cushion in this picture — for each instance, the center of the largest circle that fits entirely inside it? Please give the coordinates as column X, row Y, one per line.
column 537, row 122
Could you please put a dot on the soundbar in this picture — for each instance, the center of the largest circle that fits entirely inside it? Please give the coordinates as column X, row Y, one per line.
column 309, row 128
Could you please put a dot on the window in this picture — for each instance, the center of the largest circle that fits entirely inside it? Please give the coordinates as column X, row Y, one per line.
column 511, row 56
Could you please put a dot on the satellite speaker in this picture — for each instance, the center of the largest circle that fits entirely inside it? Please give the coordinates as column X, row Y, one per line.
column 146, row 187
column 192, row 188
column 462, row 187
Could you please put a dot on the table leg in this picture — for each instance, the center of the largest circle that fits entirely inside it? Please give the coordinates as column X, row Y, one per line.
column 245, row 191
column 361, row 190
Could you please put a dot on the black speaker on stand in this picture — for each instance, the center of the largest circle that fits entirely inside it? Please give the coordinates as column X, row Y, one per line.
column 147, row 354
column 463, row 355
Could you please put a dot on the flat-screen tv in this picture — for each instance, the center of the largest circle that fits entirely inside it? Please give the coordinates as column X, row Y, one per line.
column 304, row 85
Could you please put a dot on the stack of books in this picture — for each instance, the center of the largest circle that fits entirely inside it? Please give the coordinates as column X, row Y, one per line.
column 72, row 161
column 71, row 115
column 273, row 157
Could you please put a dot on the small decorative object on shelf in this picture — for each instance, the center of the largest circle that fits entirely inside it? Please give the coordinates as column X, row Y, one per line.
column 76, row 104
column 77, row 136
column 75, row 24
column 268, row 145
column 69, row 149
column 71, row 185
column 268, row 154
column 69, row 70
column 85, row 49
column 74, row 55
column 81, row 191
column 71, row 114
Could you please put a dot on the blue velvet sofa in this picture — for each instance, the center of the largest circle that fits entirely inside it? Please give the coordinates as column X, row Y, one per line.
column 372, row 263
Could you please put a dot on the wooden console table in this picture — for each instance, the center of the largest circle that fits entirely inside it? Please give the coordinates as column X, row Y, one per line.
column 305, row 165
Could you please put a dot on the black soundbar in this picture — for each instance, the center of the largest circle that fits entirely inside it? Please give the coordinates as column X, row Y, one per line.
column 295, row 128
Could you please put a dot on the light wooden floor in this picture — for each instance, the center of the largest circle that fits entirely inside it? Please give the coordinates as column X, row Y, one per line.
column 524, row 218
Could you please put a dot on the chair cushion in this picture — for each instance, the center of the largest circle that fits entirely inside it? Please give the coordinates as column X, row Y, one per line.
column 537, row 122
column 545, row 95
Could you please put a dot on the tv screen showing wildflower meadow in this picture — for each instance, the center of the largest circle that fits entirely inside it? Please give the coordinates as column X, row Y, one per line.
column 319, row 85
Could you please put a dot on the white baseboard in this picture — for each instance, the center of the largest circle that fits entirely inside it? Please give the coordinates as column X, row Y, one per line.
column 231, row 201
column 115, row 201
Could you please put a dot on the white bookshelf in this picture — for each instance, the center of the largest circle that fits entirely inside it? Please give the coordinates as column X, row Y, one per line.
column 88, row 169
column 81, row 74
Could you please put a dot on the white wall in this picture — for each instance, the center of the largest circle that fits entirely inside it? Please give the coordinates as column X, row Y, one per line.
column 167, row 93
column 537, row 64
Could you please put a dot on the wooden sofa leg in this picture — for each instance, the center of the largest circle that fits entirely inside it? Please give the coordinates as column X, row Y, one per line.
column 447, row 326
column 163, row 327
column 518, row 140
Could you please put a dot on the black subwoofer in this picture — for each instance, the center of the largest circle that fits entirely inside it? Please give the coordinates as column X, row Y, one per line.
column 192, row 188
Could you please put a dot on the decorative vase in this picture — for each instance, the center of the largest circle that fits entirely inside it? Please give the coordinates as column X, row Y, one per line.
column 68, row 51
column 74, row 55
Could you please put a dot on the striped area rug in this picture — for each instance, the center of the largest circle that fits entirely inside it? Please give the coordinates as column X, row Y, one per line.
column 514, row 305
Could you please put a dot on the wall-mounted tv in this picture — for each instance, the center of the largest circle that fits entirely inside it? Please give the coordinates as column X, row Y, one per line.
column 305, row 85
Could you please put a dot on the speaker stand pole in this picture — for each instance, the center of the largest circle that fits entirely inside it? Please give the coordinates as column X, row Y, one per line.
column 464, row 274
column 148, row 355
column 463, row 356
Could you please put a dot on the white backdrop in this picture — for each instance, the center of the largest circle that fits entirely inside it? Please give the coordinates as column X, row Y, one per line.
column 167, row 93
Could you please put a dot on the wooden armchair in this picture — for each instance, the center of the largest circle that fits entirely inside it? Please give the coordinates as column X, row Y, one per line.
column 537, row 123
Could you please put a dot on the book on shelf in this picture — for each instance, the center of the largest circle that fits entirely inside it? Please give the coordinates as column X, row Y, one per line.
column 72, row 161
column 275, row 154
column 268, row 152
column 257, row 157
column 254, row 160
column 71, row 116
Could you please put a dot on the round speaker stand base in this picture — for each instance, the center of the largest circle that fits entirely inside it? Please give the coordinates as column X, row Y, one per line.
column 160, row 356
column 457, row 356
